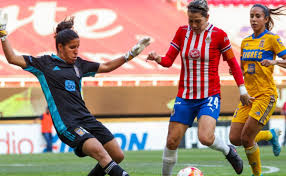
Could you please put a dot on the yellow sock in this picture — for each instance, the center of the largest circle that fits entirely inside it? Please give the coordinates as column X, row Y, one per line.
column 253, row 156
column 265, row 135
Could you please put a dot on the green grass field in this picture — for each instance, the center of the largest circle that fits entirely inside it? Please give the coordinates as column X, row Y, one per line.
column 137, row 163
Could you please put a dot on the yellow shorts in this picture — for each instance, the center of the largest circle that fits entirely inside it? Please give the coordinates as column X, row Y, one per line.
column 261, row 109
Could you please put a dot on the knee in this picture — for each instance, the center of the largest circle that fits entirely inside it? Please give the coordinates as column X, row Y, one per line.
column 119, row 157
column 235, row 140
column 172, row 143
column 206, row 139
column 97, row 154
column 246, row 141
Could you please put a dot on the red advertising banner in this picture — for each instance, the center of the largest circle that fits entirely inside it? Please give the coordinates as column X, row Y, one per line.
column 108, row 29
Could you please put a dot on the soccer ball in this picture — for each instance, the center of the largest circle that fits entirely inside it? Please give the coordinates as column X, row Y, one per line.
column 190, row 171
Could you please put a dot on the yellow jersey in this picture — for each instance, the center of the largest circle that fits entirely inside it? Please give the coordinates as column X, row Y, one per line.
column 258, row 79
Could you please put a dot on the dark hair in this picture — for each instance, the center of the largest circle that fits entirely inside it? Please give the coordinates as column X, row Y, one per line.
column 64, row 32
column 199, row 6
column 269, row 13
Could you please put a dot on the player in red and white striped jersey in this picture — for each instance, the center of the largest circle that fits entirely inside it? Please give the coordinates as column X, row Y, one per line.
column 200, row 45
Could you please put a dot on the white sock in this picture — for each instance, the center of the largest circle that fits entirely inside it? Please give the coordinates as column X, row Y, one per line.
column 169, row 161
column 219, row 145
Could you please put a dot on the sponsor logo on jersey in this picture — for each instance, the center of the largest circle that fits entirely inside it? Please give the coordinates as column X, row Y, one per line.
column 70, row 85
column 235, row 113
column 56, row 68
column 225, row 39
column 251, row 68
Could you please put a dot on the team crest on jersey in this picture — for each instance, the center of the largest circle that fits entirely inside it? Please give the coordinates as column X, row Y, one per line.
column 195, row 54
column 251, row 68
column 261, row 44
column 80, row 131
column 208, row 39
column 280, row 42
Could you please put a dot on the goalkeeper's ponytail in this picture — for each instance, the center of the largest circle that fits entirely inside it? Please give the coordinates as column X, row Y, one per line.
column 64, row 32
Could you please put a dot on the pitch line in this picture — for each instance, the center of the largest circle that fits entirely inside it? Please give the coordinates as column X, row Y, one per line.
column 269, row 169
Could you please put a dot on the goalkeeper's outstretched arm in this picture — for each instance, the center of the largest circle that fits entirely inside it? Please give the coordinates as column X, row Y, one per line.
column 135, row 51
column 11, row 57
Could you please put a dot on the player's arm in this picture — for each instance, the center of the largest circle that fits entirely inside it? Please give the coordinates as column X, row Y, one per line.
column 11, row 57
column 279, row 49
column 281, row 63
column 135, row 51
column 238, row 77
column 172, row 53
column 167, row 60
column 236, row 71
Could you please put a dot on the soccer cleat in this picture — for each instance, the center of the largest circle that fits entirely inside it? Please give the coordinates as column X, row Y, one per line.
column 253, row 175
column 235, row 160
column 276, row 148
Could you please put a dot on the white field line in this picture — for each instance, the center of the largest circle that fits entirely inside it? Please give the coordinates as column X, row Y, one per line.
column 271, row 169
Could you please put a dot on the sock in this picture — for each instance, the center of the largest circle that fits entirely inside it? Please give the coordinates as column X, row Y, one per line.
column 114, row 169
column 169, row 161
column 264, row 135
column 219, row 145
column 97, row 171
column 253, row 156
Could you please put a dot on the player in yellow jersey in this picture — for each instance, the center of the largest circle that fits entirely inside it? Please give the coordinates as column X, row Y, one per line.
column 258, row 54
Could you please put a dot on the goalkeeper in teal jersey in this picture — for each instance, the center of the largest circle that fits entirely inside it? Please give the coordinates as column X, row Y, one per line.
column 60, row 77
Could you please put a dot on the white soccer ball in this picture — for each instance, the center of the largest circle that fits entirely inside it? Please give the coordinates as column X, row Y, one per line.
column 190, row 171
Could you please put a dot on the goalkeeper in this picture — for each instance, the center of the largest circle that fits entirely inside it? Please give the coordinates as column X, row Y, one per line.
column 60, row 78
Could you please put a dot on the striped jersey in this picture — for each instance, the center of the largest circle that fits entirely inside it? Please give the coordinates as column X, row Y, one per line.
column 258, row 78
column 200, row 56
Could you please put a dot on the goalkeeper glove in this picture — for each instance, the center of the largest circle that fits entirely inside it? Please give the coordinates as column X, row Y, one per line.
column 137, row 49
column 3, row 23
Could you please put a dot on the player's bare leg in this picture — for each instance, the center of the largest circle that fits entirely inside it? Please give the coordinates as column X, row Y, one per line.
column 249, row 132
column 94, row 149
column 175, row 133
column 206, row 129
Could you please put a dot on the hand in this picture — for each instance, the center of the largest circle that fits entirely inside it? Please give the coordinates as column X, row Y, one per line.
column 3, row 23
column 267, row 63
column 246, row 99
column 153, row 56
column 138, row 48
